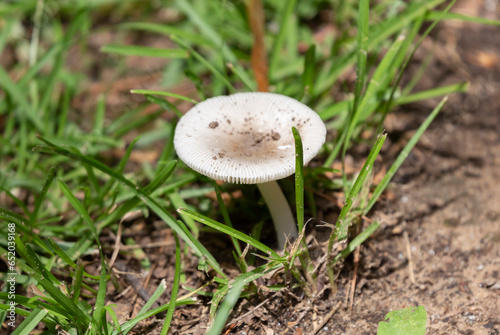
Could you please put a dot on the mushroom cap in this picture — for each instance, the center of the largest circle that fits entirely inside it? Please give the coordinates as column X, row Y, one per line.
column 247, row 137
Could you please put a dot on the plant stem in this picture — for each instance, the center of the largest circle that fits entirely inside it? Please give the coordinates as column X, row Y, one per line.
column 281, row 213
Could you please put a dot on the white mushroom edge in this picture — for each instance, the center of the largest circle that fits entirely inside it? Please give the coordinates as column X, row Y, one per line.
column 247, row 138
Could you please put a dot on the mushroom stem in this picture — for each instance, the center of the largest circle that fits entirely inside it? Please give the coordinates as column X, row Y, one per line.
column 284, row 223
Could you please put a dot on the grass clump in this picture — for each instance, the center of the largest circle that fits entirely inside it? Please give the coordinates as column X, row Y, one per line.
column 61, row 192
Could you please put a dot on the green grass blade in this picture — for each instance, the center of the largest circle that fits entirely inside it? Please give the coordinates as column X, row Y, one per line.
column 402, row 156
column 227, row 221
column 341, row 226
column 177, row 202
column 166, row 30
column 100, row 298
column 161, row 177
column 134, row 50
column 30, row 322
column 226, row 307
column 435, row 15
column 67, row 259
column 18, row 202
column 167, row 94
column 206, row 63
column 211, row 33
column 228, row 230
column 358, row 240
column 50, row 84
column 175, row 288
column 81, row 316
column 77, row 205
column 234, row 288
column 114, row 318
column 299, row 179
column 77, row 282
column 127, row 326
column 276, row 52
column 361, row 52
column 43, row 193
column 309, row 69
column 432, row 93
column 157, row 293
column 19, row 97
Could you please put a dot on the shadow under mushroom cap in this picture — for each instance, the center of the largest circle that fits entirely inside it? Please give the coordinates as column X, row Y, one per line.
column 247, row 137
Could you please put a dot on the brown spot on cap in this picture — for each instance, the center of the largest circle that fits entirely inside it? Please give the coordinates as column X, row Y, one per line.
column 213, row 125
column 276, row 136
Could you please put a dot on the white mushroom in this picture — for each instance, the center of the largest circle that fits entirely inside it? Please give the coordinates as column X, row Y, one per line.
column 247, row 138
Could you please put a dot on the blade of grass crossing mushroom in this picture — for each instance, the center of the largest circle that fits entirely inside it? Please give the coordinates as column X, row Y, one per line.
column 304, row 257
column 402, row 156
column 30, row 322
column 175, row 288
column 143, row 196
column 299, row 179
